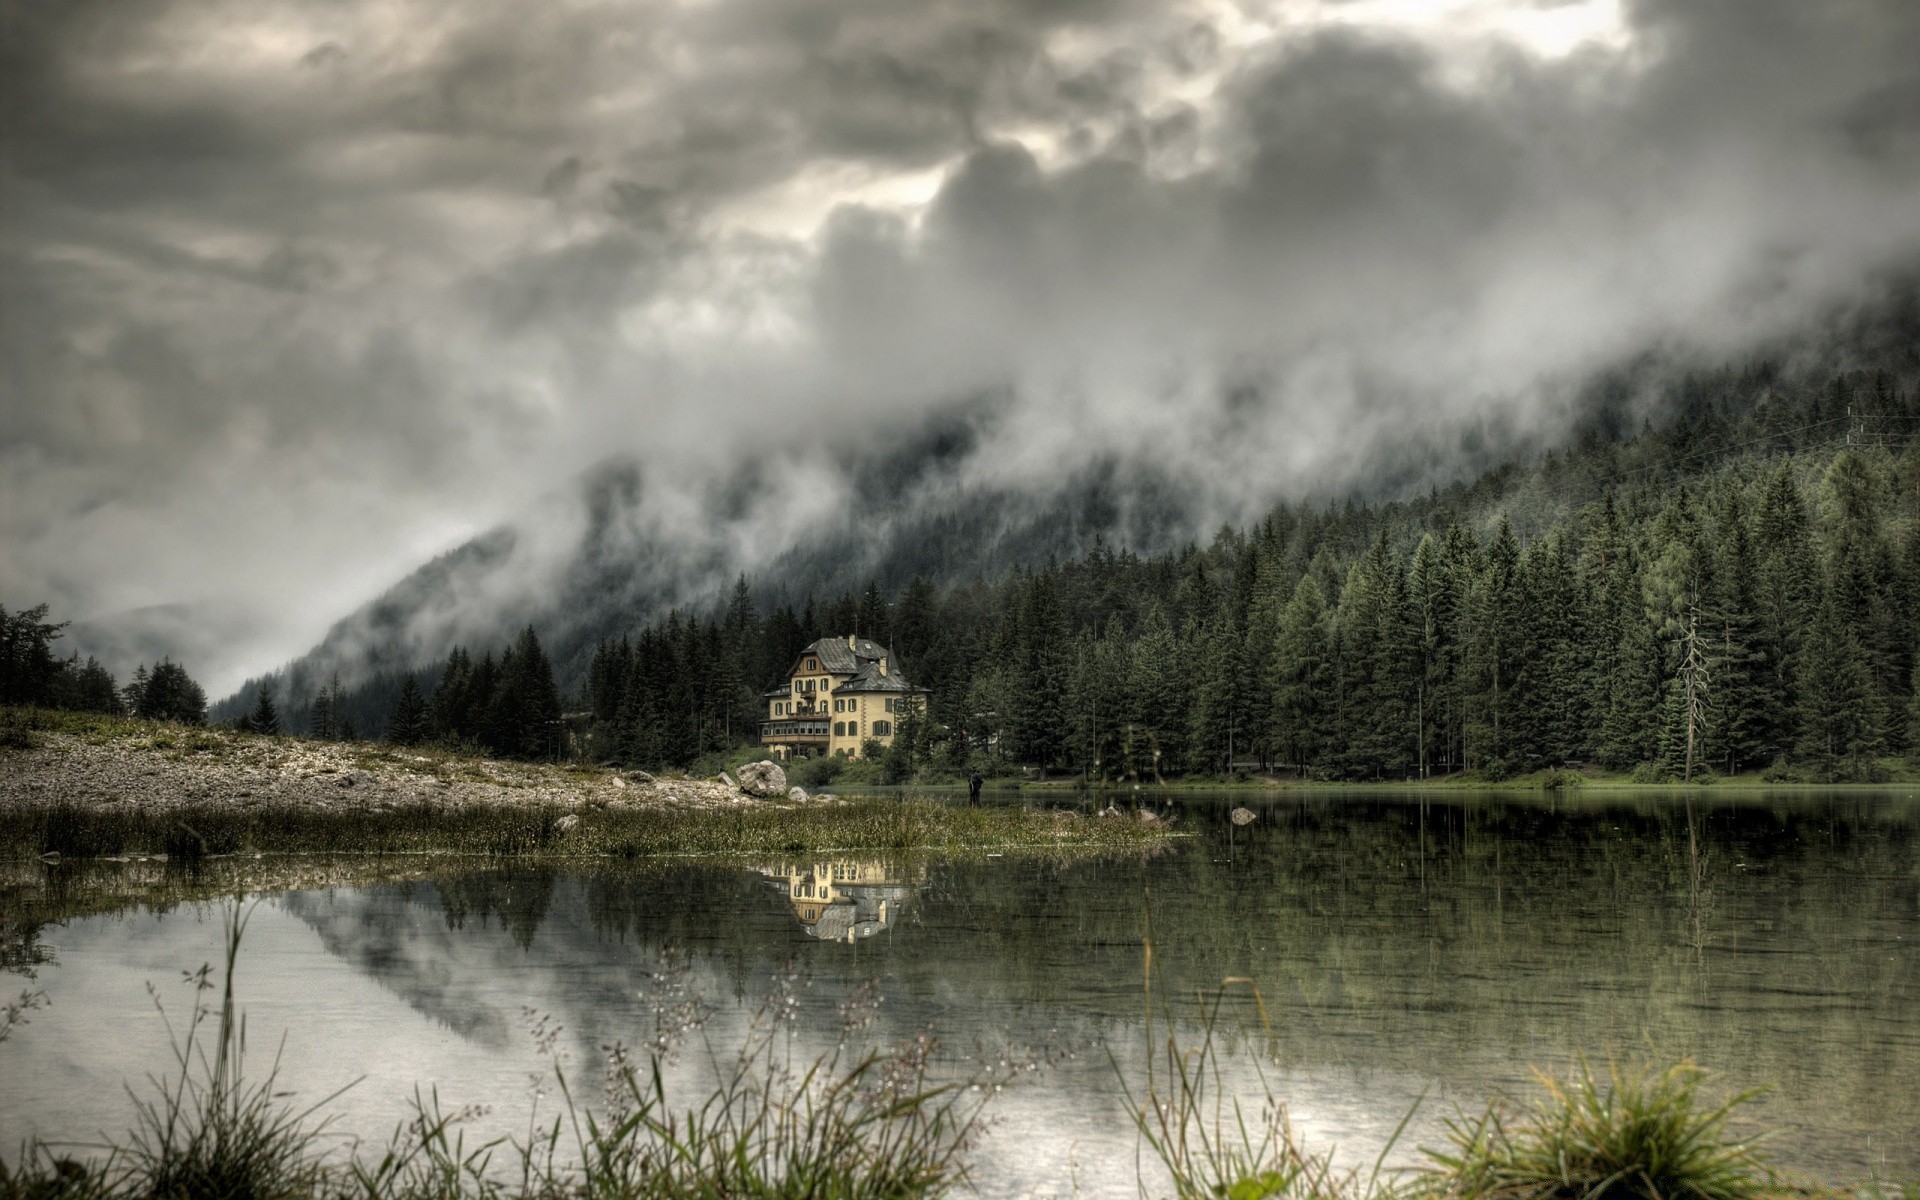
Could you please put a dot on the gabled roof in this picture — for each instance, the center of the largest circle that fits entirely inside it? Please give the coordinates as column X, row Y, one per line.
column 785, row 689
column 869, row 679
column 838, row 658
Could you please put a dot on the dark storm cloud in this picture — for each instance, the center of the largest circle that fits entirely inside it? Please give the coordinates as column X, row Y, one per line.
column 294, row 294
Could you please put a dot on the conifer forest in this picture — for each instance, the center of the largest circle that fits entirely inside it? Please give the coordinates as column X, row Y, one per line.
column 1738, row 591
column 1734, row 591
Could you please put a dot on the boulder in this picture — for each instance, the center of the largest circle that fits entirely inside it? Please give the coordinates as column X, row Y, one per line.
column 566, row 823
column 763, row 778
column 797, row 794
column 727, row 779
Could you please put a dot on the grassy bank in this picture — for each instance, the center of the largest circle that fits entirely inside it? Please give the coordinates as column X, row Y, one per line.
column 1889, row 773
column 203, row 830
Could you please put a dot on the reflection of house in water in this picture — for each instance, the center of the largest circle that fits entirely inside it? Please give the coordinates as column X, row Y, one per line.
column 845, row 900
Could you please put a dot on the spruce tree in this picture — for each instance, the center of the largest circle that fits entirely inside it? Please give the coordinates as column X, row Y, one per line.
column 409, row 723
column 265, row 717
column 1302, row 691
column 1840, row 717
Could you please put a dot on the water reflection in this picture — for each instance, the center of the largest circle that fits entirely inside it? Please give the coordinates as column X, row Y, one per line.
column 846, row 899
column 1399, row 946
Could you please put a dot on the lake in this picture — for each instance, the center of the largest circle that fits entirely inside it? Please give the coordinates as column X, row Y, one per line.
column 1400, row 952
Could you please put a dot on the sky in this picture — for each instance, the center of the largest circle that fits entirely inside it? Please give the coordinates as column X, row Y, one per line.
column 295, row 294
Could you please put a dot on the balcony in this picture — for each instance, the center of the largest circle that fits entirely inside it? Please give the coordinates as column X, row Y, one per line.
column 788, row 731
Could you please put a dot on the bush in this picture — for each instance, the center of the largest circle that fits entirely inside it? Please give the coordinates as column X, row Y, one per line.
column 1650, row 772
column 1782, row 771
column 1636, row 1135
column 813, row 773
column 16, row 731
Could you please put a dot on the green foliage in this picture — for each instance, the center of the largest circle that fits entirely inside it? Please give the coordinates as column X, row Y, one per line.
column 197, row 831
column 1638, row 1134
column 264, row 719
column 166, row 693
column 815, row 773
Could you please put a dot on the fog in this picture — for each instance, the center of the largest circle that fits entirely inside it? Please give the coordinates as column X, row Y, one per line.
column 296, row 295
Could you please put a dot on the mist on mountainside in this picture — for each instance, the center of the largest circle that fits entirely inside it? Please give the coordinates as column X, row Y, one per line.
column 299, row 297
column 598, row 562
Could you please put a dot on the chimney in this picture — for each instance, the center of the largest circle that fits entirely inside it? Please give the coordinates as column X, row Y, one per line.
column 853, row 642
column 883, row 664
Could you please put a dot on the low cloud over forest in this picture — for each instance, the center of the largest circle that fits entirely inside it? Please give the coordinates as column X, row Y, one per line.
column 295, row 295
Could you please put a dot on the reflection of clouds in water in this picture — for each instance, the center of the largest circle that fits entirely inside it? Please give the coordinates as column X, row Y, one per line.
column 1392, row 946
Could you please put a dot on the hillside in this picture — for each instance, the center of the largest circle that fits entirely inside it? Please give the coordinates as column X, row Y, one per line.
column 910, row 515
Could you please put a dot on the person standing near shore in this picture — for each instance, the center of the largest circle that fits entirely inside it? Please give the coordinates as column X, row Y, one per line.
column 973, row 788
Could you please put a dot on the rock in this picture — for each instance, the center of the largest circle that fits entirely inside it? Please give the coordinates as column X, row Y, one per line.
column 640, row 777
column 764, row 778
column 619, row 782
column 1109, row 811
column 727, row 779
column 1242, row 816
column 566, row 823
column 797, row 794
column 826, row 798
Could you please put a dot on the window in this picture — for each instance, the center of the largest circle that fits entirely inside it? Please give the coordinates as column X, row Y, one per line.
column 839, row 706
column 889, row 706
column 813, row 665
column 883, row 729
column 839, row 729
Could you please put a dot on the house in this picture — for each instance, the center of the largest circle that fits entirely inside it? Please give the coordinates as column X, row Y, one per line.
column 841, row 694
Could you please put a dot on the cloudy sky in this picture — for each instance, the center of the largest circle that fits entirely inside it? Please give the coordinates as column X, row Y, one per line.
column 297, row 293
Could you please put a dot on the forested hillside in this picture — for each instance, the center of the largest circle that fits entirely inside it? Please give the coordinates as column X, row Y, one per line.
column 1747, row 574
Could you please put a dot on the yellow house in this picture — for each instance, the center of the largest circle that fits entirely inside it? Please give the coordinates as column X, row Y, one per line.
column 841, row 694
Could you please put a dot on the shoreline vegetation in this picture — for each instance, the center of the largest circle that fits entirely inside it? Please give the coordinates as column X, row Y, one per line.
column 93, row 786
column 871, row 1119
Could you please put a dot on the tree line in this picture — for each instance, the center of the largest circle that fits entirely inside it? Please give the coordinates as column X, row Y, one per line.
column 1737, row 590
column 32, row 673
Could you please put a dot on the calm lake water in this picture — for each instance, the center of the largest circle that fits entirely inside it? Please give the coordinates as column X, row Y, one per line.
column 1402, row 949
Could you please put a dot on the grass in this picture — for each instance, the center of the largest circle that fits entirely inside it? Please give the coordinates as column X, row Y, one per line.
column 862, row 1121
column 201, row 830
column 858, row 1123
column 1635, row 1134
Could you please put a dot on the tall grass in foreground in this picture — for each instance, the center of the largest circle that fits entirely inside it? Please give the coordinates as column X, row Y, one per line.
column 861, row 1124
column 1636, row 1134
column 850, row 1125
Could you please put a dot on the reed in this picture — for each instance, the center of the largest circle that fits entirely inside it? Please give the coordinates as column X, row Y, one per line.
column 853, row 1124
column 199, row 831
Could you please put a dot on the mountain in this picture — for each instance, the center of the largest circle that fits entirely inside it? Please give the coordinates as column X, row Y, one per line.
column 940, row 502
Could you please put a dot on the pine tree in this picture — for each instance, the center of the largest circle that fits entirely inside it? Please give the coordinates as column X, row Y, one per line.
column 169, row 694
column 1301, row 699
column 323, row 713
column 1840, row 718
column 134, row 695
column 1493, row 656
column 1156, row 738
column 265, row 717
column 409, row 723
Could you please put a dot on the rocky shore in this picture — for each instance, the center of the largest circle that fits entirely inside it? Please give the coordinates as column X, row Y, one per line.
column 154, row 768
